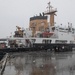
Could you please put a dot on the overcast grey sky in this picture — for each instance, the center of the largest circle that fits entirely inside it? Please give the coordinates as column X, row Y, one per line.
column 18, row 12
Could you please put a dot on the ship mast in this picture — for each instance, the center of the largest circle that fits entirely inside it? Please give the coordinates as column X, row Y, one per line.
column 51, row 11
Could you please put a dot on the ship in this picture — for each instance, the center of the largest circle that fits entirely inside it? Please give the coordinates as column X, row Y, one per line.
column 42, row 35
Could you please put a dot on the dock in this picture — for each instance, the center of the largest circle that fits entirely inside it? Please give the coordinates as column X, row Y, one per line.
column 3, row 63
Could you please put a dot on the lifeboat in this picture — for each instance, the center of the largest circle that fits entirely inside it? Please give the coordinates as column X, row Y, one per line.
column 45, row 34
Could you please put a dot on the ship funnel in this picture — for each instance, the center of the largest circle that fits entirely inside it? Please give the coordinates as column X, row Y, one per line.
column 43, row 13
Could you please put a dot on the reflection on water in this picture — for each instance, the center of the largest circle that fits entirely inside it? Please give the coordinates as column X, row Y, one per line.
column 40, row 63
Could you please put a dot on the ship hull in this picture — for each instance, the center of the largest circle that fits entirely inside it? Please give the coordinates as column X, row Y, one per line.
column 55, row 47
column 42, row 47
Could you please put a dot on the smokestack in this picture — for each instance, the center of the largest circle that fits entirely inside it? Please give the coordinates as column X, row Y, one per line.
column 43, row 13
column 40, row 14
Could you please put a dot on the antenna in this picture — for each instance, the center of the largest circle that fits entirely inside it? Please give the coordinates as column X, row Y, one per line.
column 49, row 6
column 51, row 12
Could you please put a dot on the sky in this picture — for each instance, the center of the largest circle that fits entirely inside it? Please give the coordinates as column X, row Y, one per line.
column 18, row 12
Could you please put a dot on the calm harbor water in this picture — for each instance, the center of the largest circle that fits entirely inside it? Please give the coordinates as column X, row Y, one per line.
column 40, row 63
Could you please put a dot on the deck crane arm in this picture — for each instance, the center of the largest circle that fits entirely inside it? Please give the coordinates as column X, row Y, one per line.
column 19, row 30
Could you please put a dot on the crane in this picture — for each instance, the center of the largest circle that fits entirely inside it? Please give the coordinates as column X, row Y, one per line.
column 20, row 31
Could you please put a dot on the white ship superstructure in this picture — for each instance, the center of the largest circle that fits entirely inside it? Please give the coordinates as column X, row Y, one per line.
column 56, row 34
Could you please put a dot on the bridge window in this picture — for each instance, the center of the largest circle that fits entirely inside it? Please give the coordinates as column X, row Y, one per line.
column 72, row 42
column 61, row 41
column 46, row 41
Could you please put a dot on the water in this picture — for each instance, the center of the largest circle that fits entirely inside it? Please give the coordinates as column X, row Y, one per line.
column 40, row 63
